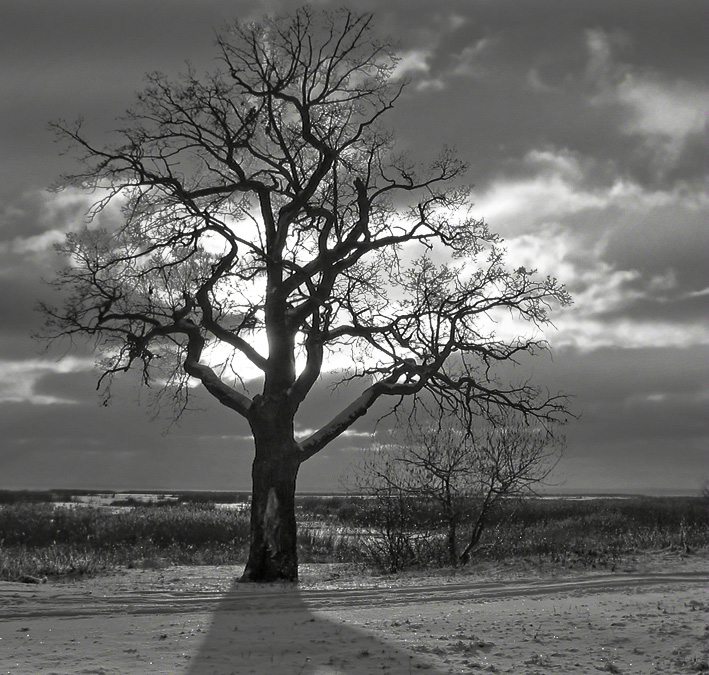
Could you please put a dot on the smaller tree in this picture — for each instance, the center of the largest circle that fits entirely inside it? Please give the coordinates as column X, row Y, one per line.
column 459, row 471
column 393, row 516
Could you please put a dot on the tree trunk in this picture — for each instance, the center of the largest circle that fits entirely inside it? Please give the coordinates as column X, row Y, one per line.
column 475, row 535
column 453, row 542
column 273, row 549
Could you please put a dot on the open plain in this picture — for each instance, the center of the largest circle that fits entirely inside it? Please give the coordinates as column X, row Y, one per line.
column 650, row 616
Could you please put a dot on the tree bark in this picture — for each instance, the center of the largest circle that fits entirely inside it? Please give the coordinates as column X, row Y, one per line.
column 273, row 552
column 475, row 535
column 453, row 542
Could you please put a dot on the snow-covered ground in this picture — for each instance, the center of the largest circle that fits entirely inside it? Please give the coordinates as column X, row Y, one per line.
column 649, row 617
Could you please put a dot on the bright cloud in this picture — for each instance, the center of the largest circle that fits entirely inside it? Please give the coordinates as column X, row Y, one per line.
column 469, row 61
column 589, row 334
column 432, row 85
column 673, row 110
column 555, row 186
column 519, row 204
column 31, row 245
column 556, row 222
column 665, row 112
column 535, row 82
column 698, row 294
column 303, row 433
column 53, row 214
column 412, row 61
column 19, row 379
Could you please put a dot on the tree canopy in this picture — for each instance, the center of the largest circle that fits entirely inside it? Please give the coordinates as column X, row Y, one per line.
column 269, row 218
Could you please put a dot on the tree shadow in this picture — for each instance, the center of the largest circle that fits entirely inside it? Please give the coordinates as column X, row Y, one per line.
column 288, row 631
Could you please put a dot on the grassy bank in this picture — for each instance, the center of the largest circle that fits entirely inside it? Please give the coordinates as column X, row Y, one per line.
column 39, row 539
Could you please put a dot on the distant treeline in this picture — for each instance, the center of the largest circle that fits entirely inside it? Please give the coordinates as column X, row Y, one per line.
column 39, row 496
column 135, row 497
column 129, row 497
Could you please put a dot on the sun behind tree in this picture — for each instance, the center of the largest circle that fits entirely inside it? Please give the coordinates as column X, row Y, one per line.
column 266, row 211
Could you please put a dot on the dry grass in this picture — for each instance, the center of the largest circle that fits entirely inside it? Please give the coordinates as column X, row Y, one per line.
column 40, row 540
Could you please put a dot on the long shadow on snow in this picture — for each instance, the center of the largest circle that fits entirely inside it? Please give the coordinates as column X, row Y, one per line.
column 272, row 630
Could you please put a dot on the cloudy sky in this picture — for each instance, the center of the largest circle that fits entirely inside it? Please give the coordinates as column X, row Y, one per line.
column 585, row 126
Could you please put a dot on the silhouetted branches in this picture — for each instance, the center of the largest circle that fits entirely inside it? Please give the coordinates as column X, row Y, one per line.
column 268, row 222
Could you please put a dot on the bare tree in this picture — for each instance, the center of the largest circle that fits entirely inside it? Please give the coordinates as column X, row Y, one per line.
column 462, row 471
column 393, row 527
column 268, row 219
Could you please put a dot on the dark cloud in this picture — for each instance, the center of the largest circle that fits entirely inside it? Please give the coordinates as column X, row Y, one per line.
column 648, row 401
column 635, row 396
column 156, row 464
column 18, row 297
column 627, row 467
column 89, row 58
column 21, row 289
column 126, row 445
column 82, row 58
column 666, row 307
column 642, row 424
column 36, row 212
column 666, row 238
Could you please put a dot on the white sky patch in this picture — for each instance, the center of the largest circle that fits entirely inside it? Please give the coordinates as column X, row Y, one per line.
column 68, row 209
column 698, row 294
column 433, row 85
column 531, row 213
column 18, row 379
column 597, row 289
column 666, row 113
column 673, row 110
column 557, row 188
column 656, row 398
column 304, row 433
column 535, row 82
column 520, row 204
column 59, row 213
column 545, row 252
column 663, row 282
column 606, row 289
column 555, row 162
column 586, row 334
column 218, row 353
column 417, row 61
column 469, row 61
column 456, row 21
column 55, row 203
column 36, row 244
column 600, row 46
column 596, row 286
column 554, row 188
column 412, row 61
